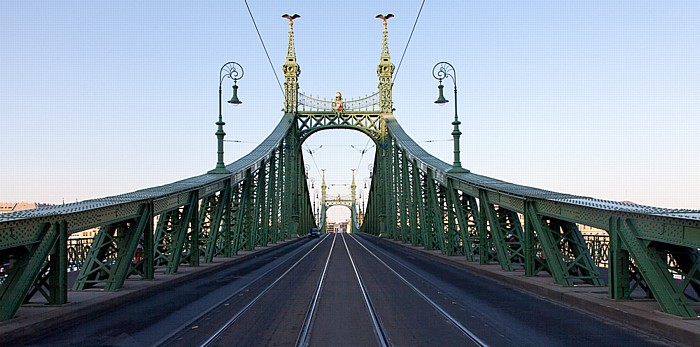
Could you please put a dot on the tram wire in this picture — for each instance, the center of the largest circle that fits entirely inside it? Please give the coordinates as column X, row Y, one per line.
column 408, row 41
column 437, row 307
column 265, row 48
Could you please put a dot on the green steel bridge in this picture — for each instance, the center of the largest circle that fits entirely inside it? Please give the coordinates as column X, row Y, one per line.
column 414, row 197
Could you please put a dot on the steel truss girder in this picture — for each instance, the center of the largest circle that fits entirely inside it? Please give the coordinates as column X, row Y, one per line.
column 27, row 268
column 173, row 235
column 212, row 214
column 504, row 234
column 434, row 230
column 371, row 124
column 462, row 217
column 564, row 251
column 651, row 260
column 110, row 257
column 52, row 282
column 405, row 197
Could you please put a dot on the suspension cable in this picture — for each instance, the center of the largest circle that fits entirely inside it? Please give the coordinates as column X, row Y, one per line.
column 265, row 48
column 409, row 41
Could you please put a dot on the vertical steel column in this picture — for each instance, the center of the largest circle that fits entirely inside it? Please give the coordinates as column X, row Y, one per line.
column 241, row 236
column 416, row 205
column 460, row 229
column 279, row 195
column 270, row 204
column 259, row 238
column 435, row 221
column 400, row 222
column 231, row 238
column 58, row 268
column 406, row 197
column 618, row 264
column 208, row 224
column 529, row 239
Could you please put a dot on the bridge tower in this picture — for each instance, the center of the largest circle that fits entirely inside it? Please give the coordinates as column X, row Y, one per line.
column 291, row 70
column 385, row 70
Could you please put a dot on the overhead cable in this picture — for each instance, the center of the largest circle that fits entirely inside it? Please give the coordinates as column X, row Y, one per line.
column 265, row 48
column 409, row 40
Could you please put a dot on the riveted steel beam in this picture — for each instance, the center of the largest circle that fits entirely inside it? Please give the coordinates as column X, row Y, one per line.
column 28, row 263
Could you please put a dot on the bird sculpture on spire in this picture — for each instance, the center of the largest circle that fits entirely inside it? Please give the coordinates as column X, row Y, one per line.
column 385, row 17
column 291, row 18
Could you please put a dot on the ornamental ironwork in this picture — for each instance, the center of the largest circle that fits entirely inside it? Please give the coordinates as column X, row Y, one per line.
column 309, row 103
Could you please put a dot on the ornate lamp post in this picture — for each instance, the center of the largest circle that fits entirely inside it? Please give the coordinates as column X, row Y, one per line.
column 441, row 71
column 233, row 71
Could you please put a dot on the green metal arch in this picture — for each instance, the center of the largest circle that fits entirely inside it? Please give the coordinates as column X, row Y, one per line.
column 371, row 124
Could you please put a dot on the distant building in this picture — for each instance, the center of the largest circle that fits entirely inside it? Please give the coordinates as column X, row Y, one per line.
column 7, row 207
column 338, row 227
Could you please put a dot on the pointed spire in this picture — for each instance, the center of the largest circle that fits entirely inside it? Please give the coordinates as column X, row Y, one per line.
column 323, row 186
column 291, row 69
column 385, row 38
column 291, row 54
column 353, row 187
column 385, row 70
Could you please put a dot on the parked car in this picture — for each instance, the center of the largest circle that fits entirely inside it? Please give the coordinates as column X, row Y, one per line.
column 314, row 233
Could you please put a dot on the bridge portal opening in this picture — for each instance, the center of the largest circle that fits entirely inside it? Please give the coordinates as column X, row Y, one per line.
column 331, row 158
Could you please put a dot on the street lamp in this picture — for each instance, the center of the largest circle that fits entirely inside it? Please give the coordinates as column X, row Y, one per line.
column 441, row 71
column 233, row 71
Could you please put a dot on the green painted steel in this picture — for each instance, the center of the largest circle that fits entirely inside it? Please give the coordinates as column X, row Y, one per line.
column 414, row 197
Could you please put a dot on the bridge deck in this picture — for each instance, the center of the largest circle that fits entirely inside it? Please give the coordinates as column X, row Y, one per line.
column 643, row 314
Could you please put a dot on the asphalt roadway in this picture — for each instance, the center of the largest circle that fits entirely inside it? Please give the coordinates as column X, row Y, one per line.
column 418, row 298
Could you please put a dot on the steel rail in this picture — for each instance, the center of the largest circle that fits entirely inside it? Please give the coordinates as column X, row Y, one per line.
column 163, row 341
column 233, row 319
column 432, row 303
column 311, row 312
column 382, row 337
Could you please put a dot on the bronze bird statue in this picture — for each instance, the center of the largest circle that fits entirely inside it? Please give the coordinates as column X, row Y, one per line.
column 291, row 18
column 384, row 18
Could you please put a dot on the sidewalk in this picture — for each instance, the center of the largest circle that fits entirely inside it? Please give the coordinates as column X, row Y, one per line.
column 645, row 314
column 37, row 318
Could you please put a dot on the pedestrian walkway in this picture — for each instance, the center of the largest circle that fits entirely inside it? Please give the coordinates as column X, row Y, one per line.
column 645, row 314
column 32, row 319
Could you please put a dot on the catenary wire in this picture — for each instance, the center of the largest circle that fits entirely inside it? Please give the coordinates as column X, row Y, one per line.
column 409, row 40
column 265, row 48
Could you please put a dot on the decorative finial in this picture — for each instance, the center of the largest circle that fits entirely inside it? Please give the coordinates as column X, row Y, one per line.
column 291, row 18
column 384, row 18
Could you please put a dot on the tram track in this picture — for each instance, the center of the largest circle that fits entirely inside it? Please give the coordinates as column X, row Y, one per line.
column 302, row 340
column 211, row 339
column 456, row 323
column 169, row 339
column 380, row 332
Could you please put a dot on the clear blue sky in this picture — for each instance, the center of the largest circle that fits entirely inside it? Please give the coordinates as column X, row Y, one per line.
column 598, row 98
